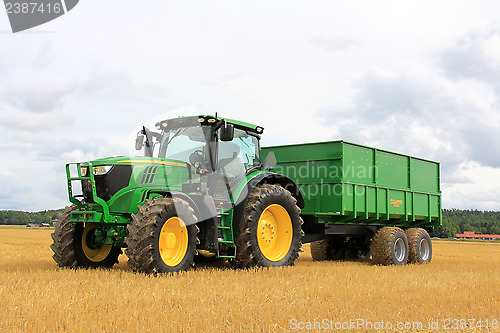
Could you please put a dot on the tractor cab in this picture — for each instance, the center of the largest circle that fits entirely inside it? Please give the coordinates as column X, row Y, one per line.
column 219, row 153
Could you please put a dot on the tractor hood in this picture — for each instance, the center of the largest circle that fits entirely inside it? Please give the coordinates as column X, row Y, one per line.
column 121, row 175
column 137, row 160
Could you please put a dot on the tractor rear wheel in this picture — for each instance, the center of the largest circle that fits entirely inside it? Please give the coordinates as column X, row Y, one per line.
column 389, row 246
column 270, row 233
column 162, row 237
column 72, row 246
column 331, row 248
column 419, row 245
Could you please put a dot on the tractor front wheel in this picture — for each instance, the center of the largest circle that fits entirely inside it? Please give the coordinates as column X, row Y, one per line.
column 73, row 246
column 162, row 237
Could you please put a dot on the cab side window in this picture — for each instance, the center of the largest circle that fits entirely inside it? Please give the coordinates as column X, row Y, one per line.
column 239, row 155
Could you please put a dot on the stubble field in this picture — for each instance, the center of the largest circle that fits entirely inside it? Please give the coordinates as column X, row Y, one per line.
column 459, row 290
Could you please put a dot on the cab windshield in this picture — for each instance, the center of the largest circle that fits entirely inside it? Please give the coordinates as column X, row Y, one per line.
column 181, row 143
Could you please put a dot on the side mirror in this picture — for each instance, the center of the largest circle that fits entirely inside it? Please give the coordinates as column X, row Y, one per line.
column 270, row 162
column 139, row 141
column 227, row 132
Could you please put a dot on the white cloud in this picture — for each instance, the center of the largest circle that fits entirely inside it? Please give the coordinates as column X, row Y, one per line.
column 480, row 190
column 37, row 91
column 359, row 70
column 419, row 111
column 28, row 122
column 331, row 44
column 475, row 55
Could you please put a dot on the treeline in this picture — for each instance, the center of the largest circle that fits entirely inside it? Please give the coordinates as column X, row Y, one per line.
column 18, row 217
column 456, row 221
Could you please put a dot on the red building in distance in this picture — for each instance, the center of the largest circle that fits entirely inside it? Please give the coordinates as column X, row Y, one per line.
column 473, row 235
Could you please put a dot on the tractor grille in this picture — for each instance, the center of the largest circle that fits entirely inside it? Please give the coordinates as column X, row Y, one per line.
column 107, row 185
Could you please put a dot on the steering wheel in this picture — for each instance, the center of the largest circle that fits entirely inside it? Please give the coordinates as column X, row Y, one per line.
column 197, row 159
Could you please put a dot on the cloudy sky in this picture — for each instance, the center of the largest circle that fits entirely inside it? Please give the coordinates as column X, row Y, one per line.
column 417, row 77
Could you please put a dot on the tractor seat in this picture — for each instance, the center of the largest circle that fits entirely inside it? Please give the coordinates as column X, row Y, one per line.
column 231, row 167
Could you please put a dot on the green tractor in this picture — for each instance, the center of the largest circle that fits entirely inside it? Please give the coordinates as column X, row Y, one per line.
column 200, row 191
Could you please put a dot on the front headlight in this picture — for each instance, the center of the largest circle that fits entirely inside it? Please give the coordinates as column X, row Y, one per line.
column 101, row 169
column 84, row 170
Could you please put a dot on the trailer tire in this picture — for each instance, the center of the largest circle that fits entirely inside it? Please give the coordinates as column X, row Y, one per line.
column 328, row 249
column 419, row 246
column 270, row 233
column 389, row 246
column 70, row 250
column 162, row 237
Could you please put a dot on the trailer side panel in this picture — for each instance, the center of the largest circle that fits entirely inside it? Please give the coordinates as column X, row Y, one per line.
column 346, row 183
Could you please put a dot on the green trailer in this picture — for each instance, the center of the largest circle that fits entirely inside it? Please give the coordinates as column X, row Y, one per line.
column 204, row 190
column 351, row 191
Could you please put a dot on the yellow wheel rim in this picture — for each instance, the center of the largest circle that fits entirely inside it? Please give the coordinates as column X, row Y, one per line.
column 173, row 242
column 274, row 232
column 95, row 255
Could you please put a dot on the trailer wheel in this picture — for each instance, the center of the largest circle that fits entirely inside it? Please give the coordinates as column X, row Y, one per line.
column 270, row 233
column 71, row 245
column 162, row 237
column 419, row 245
column 331, row 248
column 389, row 246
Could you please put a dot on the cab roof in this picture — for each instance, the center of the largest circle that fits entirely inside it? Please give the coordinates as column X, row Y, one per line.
column 210, row 120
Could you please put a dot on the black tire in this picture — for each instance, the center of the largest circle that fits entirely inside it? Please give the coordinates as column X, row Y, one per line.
column 419, row 246
column 145, row 242
column 389, row 246
column 331, row 248
column 272, row 210
column 69, row 249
